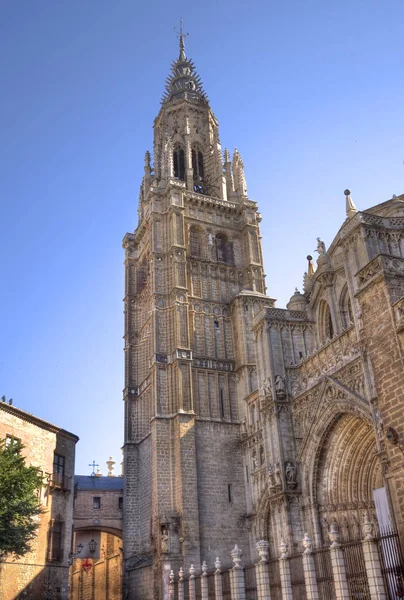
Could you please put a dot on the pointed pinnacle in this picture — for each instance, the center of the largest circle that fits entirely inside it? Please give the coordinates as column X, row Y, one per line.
column 351, row 209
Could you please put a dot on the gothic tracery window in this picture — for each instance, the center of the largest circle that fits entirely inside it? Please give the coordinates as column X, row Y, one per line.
column 346, row 308
column 179, row 162
column 325, row 324
column 195, row 242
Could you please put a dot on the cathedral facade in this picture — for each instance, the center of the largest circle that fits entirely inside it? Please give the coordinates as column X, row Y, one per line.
column 244, row 421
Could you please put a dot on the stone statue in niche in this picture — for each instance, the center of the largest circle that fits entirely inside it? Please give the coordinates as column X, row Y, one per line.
column 278, row 477
column 164, row 539
column 254, row 460
column 262, row 456
column 271, row 475
column 290, row 474
column 243, row 427
column 280, row 386
column 211, row 239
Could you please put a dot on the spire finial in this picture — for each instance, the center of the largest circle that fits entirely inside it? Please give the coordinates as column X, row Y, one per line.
column 351, row 209
column 182, row 37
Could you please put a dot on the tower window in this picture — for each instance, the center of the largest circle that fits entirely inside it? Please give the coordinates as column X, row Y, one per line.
column 229, row 492
column 179, row 162
column 198, row 170
column 221, row 398
column 96, row 502
column 195, row 242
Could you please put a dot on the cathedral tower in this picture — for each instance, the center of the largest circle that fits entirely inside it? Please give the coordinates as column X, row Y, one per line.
column 194, row 281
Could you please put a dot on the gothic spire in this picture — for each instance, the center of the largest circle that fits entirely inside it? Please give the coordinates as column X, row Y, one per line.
column 183, row 82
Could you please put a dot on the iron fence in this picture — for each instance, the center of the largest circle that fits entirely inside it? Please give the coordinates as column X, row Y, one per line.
column 392, row 564
column 297, row 577
column 324, row 573
column 275, row 579
column 198, row 590
column 211, row 587
column 250, row 583
column 226, row 585
column 356, row 570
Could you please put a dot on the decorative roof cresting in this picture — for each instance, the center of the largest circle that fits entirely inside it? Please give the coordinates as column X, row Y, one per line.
column 183, row 82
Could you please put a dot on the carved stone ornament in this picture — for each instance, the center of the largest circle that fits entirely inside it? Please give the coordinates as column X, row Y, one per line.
column 192, row 572
column 367, row 527
column 266, row 387
column 181, row 574
column 204, row 569
column 334, row 536
column 283, row 547
column 307, row 544
column 236, row 556
column 280, row 386
column 262, row 549
column 290, row 474
column 171, row 577
column 218, row 565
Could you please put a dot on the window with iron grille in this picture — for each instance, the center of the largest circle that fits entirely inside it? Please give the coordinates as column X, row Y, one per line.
column 96, row 502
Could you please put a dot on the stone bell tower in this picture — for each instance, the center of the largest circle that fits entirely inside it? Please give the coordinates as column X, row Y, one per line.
column 194, row 281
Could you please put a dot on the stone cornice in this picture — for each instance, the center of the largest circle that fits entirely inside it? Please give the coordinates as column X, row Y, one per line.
column 21, row 414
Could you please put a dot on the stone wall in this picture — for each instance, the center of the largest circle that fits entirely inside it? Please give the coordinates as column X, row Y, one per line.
column 37, row 573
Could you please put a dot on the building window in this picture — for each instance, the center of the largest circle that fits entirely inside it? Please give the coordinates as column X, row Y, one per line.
column 120, row 503
column 346, row 308
column 179, row 162
column 11, row 440
column 58, row 468
column 229, row 493
column 198, row 170
column 195, row 242
column 55, row 548
column 96, row 502
column 325, row 324
column 221, row 398
column 224, row 249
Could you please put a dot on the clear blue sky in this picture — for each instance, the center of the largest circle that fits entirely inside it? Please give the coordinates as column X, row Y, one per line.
column 311, row 92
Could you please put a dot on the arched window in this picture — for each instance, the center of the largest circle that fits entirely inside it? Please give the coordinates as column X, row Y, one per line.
column 179, row 162
column 195, row 242
column 346, row 308
column 224, row 249
column 198, row 170
column 325, row 324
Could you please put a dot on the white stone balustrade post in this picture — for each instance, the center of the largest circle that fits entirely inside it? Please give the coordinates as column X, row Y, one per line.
column 237, row 582
column 261, row 571
column 191, row 583
column 181, row 584
column 309, row 569
column 372, row 561
column 338, row 565
column 171, row 586
column 284, row 570
column 218, row 580
column 204, row 581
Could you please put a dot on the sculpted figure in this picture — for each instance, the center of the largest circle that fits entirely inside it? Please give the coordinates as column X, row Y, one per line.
column 320, row 247
column 266, row 387
column 280, row 385
column 290, row 473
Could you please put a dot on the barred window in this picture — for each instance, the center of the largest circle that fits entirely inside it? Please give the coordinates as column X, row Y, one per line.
column 179, row 162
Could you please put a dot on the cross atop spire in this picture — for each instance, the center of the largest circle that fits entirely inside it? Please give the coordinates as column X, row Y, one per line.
column 181, row 35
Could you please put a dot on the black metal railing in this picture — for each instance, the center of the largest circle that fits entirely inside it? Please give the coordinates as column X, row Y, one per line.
column 356, row 570
column 250, row 583
column 226, row 585
column 297, row 577
column 275, row 579
column 211, row 587
column 392, row 563
column 324, row 573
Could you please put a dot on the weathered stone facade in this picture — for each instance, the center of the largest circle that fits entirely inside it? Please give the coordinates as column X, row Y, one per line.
column 43, row 572
column 243, row 421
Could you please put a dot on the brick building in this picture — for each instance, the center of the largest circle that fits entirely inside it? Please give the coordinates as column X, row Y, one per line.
column 43, row 572
column 98, row 507
column 244, row 421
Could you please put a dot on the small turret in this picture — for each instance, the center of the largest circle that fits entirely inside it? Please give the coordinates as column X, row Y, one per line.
column 297, row 302
column 240, row 184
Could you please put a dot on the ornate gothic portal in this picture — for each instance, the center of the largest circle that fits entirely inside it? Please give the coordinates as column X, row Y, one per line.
column 347, row 472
